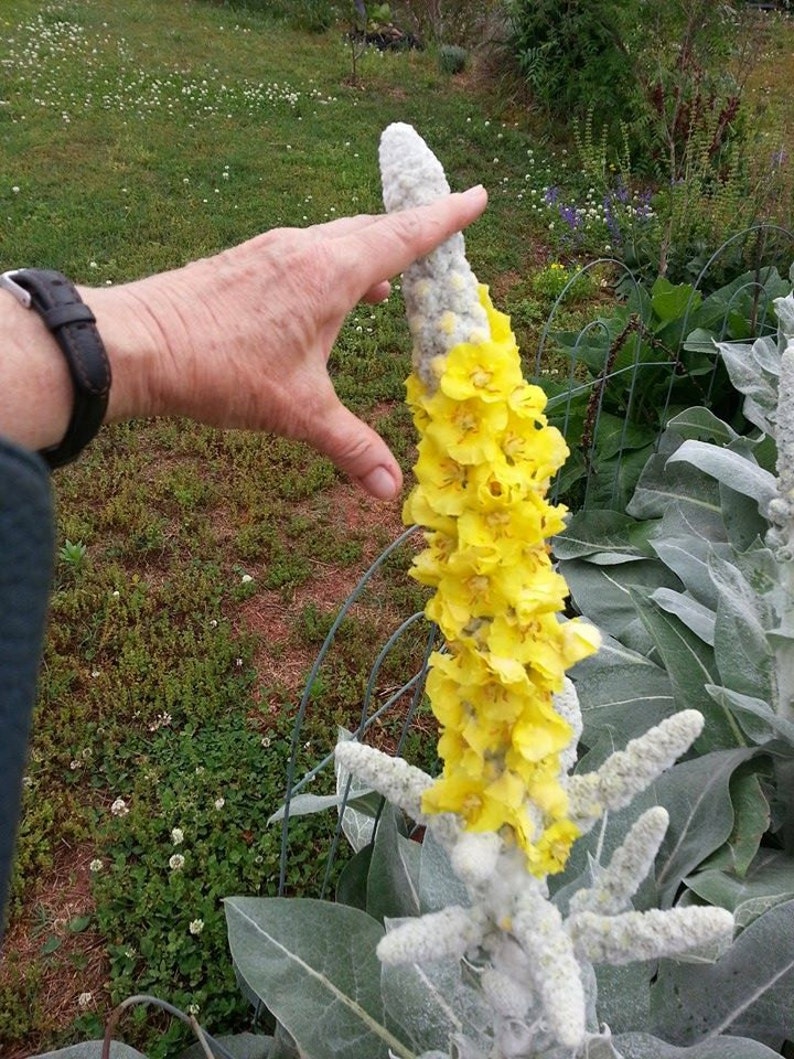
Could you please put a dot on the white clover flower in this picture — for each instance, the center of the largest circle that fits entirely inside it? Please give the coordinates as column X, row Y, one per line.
column 219, row 803
column 176, row 862
column 119, row 807
column 85, row 999
column 246, row 579
column 177, row 836
column 96, row 865
column 196, row 926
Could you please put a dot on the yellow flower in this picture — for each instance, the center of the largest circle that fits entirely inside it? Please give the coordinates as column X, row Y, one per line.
column 483, row 371
column 485, row 458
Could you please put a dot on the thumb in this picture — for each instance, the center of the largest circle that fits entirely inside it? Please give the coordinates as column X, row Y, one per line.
column 359, row 451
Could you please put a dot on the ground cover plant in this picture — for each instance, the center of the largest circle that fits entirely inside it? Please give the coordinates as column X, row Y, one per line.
column 197, row 572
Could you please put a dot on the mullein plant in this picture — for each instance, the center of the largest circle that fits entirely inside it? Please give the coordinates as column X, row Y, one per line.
column 506, row 807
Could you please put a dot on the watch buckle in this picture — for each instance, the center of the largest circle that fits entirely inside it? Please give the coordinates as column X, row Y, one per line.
column 7, row 282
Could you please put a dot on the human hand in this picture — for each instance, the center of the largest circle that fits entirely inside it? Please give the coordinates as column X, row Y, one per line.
column 242, row 339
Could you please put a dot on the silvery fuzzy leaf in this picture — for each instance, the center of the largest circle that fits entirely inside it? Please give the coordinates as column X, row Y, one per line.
column 313, row 965
column 663, row 483
column 730, row 467
column 682, row 520
column 688, row 558
column 621, row 694
column 699, row 619
column 768, row 881
column 700, row 424
column 645, row 1046
column 433, row 1005
column 393, row 876
column 439, row 886
column 92, row 1050
column 747, row 991
column 742, row 650
column 690, row 664
column 603, row 593
column 754, row 370
column 358, row 821
column 603, row 537
column 624, row 994
column 757, row 718
column 784, row 307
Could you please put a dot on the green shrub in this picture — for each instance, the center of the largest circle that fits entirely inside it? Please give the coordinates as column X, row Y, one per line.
column 573, row 55
column 452, row 59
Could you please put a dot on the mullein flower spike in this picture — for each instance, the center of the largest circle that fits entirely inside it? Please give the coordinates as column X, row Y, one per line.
column 486, row 455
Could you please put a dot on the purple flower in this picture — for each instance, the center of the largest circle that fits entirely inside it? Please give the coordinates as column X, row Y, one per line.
column 551, row 195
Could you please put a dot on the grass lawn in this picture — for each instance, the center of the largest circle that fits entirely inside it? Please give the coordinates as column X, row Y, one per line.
column 199, row 571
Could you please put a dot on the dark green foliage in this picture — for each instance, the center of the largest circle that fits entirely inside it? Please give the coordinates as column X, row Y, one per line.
column 644, row 361
column 572, row 54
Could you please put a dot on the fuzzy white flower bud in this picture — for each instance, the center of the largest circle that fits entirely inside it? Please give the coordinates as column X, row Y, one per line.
column 647, row 935
column 475, row 856
column 554, row 972
column 440, row 291
column 400, row 783
column 566, row 703
column 628, row 772
column 435, row 936
column 615, row 885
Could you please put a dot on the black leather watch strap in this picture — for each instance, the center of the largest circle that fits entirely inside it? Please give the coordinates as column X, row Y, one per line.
column 73, row 326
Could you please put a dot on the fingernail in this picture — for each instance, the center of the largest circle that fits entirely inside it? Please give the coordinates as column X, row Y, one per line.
column 474, row 192
column 380, row 483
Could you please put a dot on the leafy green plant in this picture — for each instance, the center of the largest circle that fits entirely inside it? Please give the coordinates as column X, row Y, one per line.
column 452, row 59
column 633, row 369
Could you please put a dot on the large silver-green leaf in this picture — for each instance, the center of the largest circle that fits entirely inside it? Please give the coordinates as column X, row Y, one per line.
column 696, row 794
column 698, row 618
column 768, row 881
column 757, row 719
column 624, row 995
column 688, row 557
column 755, row 370
column 700, row 424
column 432, row 1004
column 313, row 965
column 439, row 886
column 604, row 537
column 393, row 877
column 236, row 1046
column 621, row 693
column 663, row 483
column 644, row 1046
column 751, row 818
column 742, row 651
column 690, row 664
column 688, row 520
column 732, row 468
column 603, row 593
column 748, row 991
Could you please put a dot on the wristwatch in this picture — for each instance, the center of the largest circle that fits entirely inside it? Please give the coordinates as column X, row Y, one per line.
column 73, row 326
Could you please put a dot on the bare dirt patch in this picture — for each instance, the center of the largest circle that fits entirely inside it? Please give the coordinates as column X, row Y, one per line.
column 49, row 940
